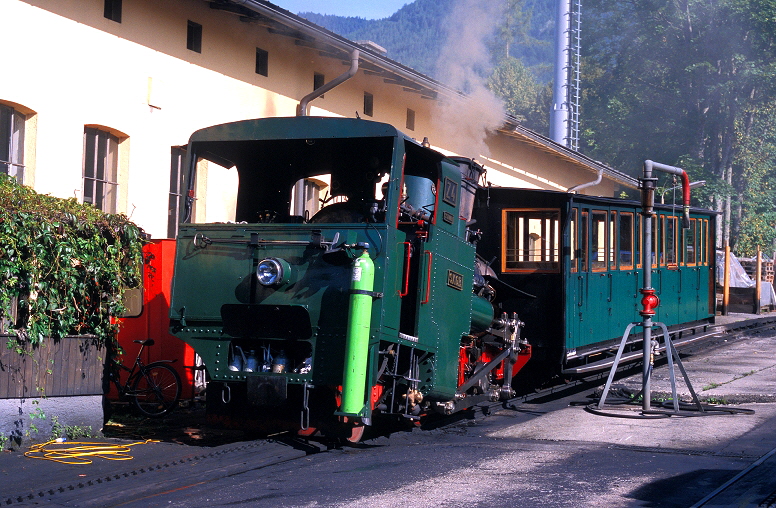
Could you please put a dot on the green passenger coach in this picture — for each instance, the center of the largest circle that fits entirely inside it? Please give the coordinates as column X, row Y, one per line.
column 581, row 258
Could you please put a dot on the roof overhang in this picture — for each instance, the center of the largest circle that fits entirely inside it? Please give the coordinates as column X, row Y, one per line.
column 329, row 44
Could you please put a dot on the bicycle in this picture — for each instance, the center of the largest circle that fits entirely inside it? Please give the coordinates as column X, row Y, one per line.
column 156, row 387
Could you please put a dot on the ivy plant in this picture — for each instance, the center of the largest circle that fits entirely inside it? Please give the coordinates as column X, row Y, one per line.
column 63, row 266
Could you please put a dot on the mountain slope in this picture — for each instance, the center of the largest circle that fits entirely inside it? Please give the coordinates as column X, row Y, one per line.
column 415, row 34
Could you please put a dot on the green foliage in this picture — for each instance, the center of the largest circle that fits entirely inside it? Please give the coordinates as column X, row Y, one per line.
column 63, row 266
column 688, row 83
column 516, row 85
column 413, row 35
column 59, row 430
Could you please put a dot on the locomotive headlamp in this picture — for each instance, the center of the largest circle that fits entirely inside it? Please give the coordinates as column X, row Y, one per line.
column 273, row 272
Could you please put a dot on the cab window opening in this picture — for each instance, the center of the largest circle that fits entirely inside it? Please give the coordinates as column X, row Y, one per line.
column 290, row 180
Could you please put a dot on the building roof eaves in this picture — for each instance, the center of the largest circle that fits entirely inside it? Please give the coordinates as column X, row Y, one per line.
column 511, row 126
column 514, row 129
column 291, row 20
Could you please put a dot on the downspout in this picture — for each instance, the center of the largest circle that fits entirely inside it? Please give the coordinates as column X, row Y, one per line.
column 581, row 186
column 301, row 109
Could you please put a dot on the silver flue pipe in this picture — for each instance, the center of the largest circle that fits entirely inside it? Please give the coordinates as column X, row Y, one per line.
column 592, row 183
column 301, row 109
column 559, row 115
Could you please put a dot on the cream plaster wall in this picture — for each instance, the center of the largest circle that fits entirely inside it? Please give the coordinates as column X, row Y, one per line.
column 77, row 68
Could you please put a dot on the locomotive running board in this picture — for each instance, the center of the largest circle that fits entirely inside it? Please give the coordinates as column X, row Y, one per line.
column 634, row 356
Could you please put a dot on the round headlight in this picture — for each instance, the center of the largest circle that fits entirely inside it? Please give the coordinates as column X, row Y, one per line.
column 274, row 272
column 269, row 272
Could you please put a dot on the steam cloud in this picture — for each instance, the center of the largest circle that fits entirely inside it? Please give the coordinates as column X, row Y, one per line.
column 464, row 65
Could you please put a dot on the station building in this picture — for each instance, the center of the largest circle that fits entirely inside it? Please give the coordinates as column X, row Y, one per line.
column 101, row 96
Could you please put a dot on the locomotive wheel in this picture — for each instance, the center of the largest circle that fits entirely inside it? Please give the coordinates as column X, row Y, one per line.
column 356, row 433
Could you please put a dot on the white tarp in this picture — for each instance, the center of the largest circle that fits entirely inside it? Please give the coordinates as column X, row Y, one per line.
column 740, row 279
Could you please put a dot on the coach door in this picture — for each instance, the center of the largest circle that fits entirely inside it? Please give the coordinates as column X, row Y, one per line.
column 593, row 281
column 669, row 280
column 622, row 270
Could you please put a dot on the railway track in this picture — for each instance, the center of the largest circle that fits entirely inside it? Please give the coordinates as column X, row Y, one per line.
column 184, row 467
column 754, row 486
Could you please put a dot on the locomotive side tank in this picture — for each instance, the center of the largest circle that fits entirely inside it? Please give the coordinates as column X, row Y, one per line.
column 344, row 285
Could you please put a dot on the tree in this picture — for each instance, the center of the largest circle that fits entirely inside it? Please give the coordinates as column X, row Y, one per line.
column 674, row 80
column 516, row 85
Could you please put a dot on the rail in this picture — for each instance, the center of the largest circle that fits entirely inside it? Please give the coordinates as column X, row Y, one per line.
column 680, row 338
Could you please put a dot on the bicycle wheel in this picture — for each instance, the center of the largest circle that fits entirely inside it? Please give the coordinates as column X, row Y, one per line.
column 156, row 389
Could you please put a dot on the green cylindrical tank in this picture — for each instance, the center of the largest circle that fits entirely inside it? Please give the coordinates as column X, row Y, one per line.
column 357, row 339
column 482, row 313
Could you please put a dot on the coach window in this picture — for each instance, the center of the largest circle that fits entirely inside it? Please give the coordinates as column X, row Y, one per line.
column 670, row 238
column 573, row 241
column 598, row 239
column 691, row 243
column 656, row 245
column 626, row 241
column 638, row 224
column 612, row 240
column 584, row 243
column 531, row 240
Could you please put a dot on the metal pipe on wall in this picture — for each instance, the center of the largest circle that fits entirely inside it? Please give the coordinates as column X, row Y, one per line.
column 301, row 109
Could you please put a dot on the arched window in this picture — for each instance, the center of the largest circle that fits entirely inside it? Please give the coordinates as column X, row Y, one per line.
column 12, row 142
column 100, row 169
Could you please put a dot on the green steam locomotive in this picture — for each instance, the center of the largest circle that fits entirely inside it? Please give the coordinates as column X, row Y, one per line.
column 348, row 283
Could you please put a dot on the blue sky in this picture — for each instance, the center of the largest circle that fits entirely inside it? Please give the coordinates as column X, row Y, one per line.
column 369, row 9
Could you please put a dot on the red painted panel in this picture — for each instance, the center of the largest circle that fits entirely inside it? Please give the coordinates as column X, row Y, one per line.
column 154, row 321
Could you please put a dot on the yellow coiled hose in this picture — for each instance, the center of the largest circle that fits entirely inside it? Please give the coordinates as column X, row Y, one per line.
column 77, row 452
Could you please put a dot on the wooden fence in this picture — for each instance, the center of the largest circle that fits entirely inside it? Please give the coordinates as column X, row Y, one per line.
column 69, row 366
